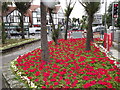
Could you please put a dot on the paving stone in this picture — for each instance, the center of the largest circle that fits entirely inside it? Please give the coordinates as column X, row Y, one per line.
column 15, row 85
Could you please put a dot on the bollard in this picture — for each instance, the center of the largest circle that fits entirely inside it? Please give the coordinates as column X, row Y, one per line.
column 105, row 37
column 108, row 44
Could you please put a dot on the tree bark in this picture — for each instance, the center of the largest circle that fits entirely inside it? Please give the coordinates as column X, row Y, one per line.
column 44, row 41
column 66, row 28
column 54, row 31
column 91, row 31
column 22, row 26
column 3, row 29
column 88, row 47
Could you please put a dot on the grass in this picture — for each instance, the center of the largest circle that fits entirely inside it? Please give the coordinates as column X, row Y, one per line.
column 14, row 42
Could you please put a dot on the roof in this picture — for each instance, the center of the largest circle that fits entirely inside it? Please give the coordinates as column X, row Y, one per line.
column 10, row 9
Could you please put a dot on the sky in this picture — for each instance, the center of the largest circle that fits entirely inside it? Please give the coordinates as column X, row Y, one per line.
column 78, row 10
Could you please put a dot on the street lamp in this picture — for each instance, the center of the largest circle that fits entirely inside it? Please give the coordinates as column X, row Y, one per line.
column 105, row 15
column 50, row 3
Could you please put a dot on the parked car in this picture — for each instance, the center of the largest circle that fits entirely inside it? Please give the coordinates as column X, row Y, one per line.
column 98, row 29
column 111, row 28
column 14, row 33
column 34, row 30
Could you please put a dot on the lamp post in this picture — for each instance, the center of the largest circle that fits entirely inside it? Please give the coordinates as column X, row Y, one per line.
column 50, row 3
column 105, row 16
column 44, row 41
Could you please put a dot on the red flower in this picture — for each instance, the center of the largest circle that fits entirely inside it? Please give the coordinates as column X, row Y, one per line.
column 61, row 77
column 54, row 75
column 46, row 74
column 26, row 72
column 118, row 73
column 111, row 69
column 67, row 79
column 66, row 87
column 87, row 85
column 32, row 70
column 37, row 73
column 56, row 83
column 36, row 80
column 69, row 75
column 52, row 80
column 99, row 76
column 19, row 60
column 62, row 72
column 72, row 68
column 29, row 77
column 70, row 72
column 51, row 86
column 85, row 78
column 117, row 79
column 46, row 83
column 74, row 78
column 111, row 62
column 80, row 60
column 75, row 82
column 103, row 64
column 107, row 79
column 58, row 60
column 43, row 87
column 81, row 72
column 93, row 82
column 45, row 79
column 74, row 74
column 56, row 70
column 82, row 63
column 68, row 82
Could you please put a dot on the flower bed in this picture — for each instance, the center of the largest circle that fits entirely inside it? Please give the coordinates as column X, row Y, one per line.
column 70, row 66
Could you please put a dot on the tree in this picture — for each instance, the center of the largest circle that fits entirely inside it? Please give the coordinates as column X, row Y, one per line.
column 4, row 9
column 90, row 8
column 22, row 7
column 109, row 16
column 83, row 22
column 68, row 11
column 44, row 41
column 118, row 19
column 55, row 32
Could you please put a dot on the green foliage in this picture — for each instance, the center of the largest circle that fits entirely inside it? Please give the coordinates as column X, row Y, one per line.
column 118, row 19
column 68, row 11
column 22, row 7
column 84, row 22
column 4, row 9
column 55, row 34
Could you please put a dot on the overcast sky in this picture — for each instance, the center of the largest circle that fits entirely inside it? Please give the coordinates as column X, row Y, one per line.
column 78, row 10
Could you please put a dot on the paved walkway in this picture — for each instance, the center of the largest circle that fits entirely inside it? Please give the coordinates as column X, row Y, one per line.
column 115, row 53
column 8, row 57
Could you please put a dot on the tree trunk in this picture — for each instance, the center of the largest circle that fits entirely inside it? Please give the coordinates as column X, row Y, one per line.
column 3, row 30
column 91, row 31
column 44, row 41
column 3, row 33
column 88, row 47
column 54, row 31
column 66, row 28
column 22, row 25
